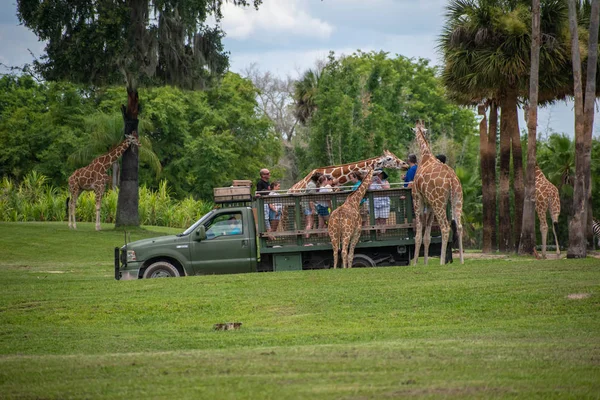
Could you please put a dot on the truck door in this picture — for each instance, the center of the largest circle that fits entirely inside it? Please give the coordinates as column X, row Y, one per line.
column 226, row 249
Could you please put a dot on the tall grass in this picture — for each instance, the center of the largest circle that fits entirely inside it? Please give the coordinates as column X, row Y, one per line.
column 34, row 200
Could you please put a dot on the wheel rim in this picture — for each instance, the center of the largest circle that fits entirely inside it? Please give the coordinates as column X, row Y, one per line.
column 161, row 273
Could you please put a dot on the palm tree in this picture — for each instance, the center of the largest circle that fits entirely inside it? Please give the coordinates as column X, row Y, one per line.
column 527, row 242
column 486, row 48
column 304, row 95
column 106, row 131
column 584, row 118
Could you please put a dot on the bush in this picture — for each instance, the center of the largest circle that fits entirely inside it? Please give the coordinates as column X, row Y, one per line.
column 35, row 200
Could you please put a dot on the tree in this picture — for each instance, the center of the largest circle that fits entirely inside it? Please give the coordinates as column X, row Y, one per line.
column 366, row 102
column 527, row 242
column 584, row 118
column 134, row 41
column 486, row 48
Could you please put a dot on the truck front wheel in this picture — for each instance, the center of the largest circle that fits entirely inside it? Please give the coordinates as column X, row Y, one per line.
column 161, row 269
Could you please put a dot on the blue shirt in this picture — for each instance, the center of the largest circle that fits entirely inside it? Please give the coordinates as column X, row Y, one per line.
column 410, row 175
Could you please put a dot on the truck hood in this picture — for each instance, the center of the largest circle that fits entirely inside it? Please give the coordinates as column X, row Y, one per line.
column 154, row 241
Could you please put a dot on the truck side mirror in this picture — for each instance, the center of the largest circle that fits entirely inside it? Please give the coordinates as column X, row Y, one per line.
column 200, row 233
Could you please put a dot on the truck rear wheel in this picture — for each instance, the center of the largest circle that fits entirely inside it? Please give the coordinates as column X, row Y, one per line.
column 161, row 269
column 361, row 261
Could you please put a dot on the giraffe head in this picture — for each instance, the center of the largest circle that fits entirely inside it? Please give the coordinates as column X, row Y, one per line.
column 132, row 140
column 389, row 160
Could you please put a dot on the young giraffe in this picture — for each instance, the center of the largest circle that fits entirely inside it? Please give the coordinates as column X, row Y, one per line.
column 546, row 199
column 434, row 184
column 340, row 172
column 345, row 224
column 94, row 177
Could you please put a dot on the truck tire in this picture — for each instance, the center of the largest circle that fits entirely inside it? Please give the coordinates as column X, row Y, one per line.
column 161, row 269
column 361, row 261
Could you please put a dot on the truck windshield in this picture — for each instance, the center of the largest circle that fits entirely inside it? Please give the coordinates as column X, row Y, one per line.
column 195, row 224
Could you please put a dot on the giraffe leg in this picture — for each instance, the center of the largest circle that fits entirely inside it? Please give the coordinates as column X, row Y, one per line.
column 440, row 214
column 345, row 242
column 73, row 208
column 544, row 231
column 459, row 230
column 554, row 224
column 428, row 221
column 418, row 206
column 353, row 242
column 336, row 249
column 99, row 194
column 332, row 230
column 456, row 217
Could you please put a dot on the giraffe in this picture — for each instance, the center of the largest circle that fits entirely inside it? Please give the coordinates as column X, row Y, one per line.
column 435, row 183
column 345, row 224
column 340, row 172
column 546, row 199
column 94, row 177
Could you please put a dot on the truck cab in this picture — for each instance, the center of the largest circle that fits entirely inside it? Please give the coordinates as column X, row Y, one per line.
column 221, row 242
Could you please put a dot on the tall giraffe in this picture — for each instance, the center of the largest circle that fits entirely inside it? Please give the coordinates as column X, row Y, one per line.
column 546, row 199
column 345, row 224
column 94, row 177
column 435, row 183
column 340, row 172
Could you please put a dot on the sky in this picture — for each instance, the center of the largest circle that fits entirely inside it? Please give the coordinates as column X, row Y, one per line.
column 286, row 37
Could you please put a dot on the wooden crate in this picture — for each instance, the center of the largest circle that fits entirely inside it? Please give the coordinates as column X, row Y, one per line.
column 232, row 194
column 241, row 182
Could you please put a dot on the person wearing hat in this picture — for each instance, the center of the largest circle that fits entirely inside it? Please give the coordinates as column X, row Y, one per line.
column 381, row 204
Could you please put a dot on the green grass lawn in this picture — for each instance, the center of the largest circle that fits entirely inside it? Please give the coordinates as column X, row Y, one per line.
column 512, row 328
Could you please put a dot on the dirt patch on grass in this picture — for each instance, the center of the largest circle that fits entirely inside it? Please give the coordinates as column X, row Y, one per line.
column 578, row 296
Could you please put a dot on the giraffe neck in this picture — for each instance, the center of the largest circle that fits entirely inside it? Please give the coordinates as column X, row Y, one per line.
column 103, row 162
column 339, row 172
column 354, row 199
column 422, row 142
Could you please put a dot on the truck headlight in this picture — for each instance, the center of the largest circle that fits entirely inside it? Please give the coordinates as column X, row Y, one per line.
column 131, row 255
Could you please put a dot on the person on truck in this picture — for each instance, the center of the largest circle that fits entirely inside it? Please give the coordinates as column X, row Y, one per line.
column 234, row 226
column 274, row 208
column 409, row 177
column 323, row 205
column 310, row 206
column 263, row 186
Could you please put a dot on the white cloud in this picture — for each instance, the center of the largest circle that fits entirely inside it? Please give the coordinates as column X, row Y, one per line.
column 274, row 17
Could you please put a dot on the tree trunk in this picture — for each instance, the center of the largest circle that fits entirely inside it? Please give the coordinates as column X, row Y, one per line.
column 527, row 242
column 491, row 151
column 505, row 243
column 485, row 179
column 590, row 96
column 518, row 184
column 115, row 175
column 577, row 245
column 127, row 204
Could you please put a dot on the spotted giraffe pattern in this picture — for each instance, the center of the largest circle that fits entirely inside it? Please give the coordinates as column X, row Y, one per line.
column 546, row 199
column 435, row 183
column 345, row 223
column 94, row 177
column 341, row 172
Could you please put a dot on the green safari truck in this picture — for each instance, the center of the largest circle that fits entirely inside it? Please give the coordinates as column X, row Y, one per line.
column 236, row 237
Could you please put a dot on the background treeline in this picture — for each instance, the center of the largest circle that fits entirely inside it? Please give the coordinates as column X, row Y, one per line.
column 346, row 109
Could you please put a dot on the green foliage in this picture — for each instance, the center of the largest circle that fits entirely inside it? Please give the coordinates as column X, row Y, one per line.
column 202, row 139
column 106, row 42
column 509, row 328
column 39, row 124
column 368, row 101
column 34, row 200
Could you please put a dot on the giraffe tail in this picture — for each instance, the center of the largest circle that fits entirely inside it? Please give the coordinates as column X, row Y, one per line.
column 67, row 205
column 454, row 234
